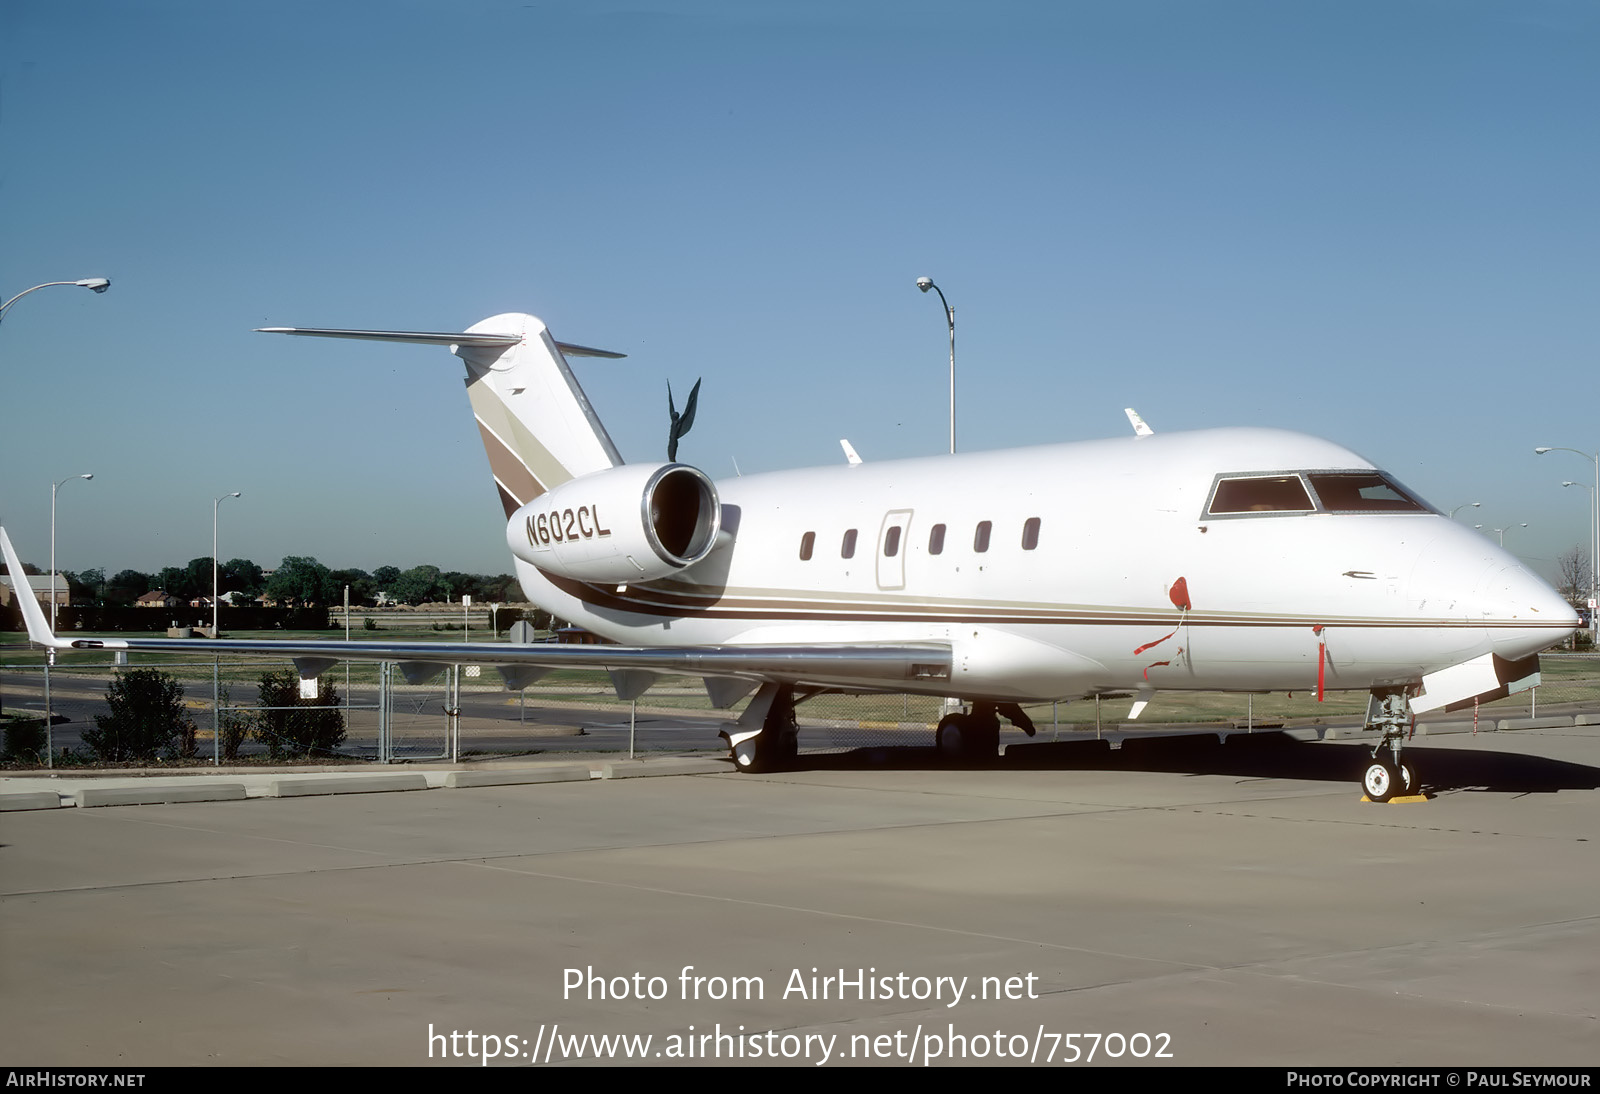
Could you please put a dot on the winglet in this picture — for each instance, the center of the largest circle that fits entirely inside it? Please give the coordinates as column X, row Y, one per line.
column 1139, row 428
column 32, row 614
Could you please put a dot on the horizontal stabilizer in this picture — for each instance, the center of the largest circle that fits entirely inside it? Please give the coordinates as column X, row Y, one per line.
column 433, row 338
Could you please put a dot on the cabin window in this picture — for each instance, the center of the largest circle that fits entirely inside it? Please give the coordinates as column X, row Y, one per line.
column 980, row 539
column 807, row 543
column 847, row 549
column 1260, row 494
column 1362, row 492
column 936, row 539
column 891, row 542
column 1030, row 534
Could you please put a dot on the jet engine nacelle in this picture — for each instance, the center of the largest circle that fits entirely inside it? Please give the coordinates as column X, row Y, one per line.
column 629, row 523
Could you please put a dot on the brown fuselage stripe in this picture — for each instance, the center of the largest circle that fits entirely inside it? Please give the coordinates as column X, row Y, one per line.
column 677, row 607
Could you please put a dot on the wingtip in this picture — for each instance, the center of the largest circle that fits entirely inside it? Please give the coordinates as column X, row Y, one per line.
column 33, row 615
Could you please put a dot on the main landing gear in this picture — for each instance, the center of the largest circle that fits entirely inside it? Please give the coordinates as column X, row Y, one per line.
column 777, row 743
column 1389, row 777
column 975, row 736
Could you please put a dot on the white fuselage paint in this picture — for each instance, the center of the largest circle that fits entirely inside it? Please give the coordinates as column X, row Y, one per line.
column 1120, row 521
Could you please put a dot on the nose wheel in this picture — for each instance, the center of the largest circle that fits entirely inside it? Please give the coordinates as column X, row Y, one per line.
column 1380, row 780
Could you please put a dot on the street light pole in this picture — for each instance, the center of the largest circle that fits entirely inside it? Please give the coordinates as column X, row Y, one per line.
column 1594, row 598
column 50, row 654
column 97, row 284
column 216, row 503
column 926, row 283
column 1464, row 505
column 1594, row 536
column 216, row 632
column 55, row 486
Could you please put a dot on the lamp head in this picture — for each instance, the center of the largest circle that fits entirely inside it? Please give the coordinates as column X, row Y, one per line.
column 1540, row 451
column 97, row 284
column 924, row 283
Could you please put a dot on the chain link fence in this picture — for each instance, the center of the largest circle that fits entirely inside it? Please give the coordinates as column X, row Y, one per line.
column 467, row 712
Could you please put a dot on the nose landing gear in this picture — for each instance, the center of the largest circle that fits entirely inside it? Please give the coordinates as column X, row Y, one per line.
column 1390, row 777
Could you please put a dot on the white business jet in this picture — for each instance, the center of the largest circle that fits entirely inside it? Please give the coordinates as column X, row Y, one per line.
column 1228, row 559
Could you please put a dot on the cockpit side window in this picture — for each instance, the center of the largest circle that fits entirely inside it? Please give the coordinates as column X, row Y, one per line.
column 1362, row 492
column 1259, row 494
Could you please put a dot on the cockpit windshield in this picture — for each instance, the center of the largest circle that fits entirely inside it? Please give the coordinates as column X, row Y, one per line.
column 1362, row 492
column 1300, row 492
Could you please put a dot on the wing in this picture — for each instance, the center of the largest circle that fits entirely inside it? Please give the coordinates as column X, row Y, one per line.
column 867, row 667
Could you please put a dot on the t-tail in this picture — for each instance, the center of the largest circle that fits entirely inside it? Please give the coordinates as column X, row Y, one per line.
column 536, row 423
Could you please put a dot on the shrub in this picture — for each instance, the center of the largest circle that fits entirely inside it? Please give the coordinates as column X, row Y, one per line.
column 147, row 718
column 290, row 725
column 25, row 740
column 233, row 726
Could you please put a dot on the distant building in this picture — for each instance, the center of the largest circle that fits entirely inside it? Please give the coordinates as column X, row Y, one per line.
column 157, row 599
column 40, row 585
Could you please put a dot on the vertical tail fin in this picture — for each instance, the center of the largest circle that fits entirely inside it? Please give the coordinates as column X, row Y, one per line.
column 536, row 423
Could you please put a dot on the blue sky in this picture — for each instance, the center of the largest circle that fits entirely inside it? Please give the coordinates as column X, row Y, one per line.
column 1375, row 222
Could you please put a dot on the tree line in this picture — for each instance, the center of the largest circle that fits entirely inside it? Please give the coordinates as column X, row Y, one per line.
column 300, row 581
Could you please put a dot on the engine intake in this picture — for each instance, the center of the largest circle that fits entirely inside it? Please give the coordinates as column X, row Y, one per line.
column 630, row 523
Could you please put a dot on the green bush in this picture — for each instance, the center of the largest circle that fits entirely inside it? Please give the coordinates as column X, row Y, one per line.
column 147, row 719
column 233, row 726
column 291, row 725
column 25, row 739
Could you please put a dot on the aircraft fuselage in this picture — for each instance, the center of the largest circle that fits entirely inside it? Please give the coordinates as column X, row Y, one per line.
column 1061, row 571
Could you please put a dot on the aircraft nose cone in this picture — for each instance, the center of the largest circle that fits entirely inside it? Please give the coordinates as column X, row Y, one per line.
column 1522, row 613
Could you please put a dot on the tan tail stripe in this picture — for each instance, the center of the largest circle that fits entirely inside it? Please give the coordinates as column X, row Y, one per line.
column 514, row 438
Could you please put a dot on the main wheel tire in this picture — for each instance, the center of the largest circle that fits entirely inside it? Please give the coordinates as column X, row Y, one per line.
column 1381, row 781
column 1408, row 779
column 951, row 737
